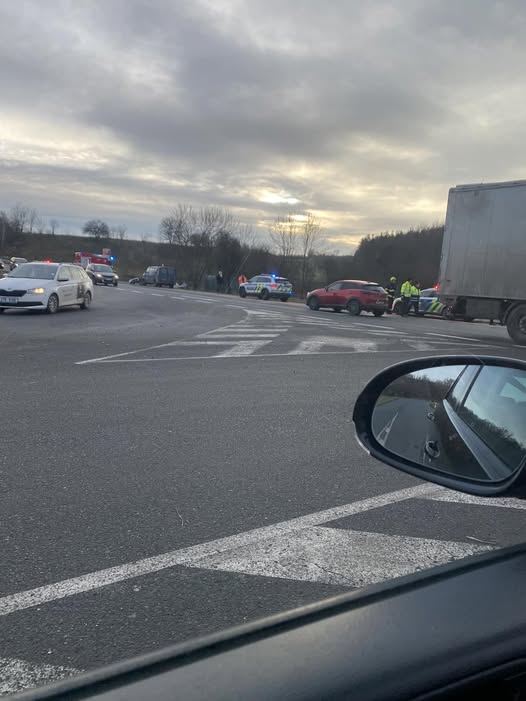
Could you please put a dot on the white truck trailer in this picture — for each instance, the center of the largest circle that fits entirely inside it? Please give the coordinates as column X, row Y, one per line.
column 483, row 262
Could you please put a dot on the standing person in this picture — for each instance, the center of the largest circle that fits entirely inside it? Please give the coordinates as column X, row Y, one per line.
column 415, row 297
column 219, row 281
column 241, row 279
column 406, row 296
column 390, row 288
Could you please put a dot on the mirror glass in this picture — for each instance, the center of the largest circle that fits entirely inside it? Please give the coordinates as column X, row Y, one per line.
column 467, row 421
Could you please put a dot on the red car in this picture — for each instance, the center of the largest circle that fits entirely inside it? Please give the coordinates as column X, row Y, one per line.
column 354, row 295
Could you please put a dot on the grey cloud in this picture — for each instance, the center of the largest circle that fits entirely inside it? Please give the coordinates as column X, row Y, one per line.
column 231, row 98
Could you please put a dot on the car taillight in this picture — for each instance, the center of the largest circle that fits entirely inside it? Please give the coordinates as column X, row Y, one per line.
column 273, row 285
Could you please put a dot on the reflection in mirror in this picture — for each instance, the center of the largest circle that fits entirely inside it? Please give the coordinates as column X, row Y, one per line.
column 467, row 421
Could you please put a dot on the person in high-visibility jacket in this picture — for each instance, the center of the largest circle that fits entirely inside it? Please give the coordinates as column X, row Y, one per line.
column 390, row 288
column 241, row 279
column 415, row 297
column 405, row 291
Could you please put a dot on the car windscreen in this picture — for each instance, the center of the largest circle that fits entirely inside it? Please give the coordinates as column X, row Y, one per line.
column 35, row 271
column 101, row 268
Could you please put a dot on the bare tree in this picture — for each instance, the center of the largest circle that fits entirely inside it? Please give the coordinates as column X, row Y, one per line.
column 121, row 232
column 118, row 232
column 53, row 225
column 32, row 218
column 308, row 240
column 40, row 225
column 179, row 226
column 284, row 236
column 18, row 218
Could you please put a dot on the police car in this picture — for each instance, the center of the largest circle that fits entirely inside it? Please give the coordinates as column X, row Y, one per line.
column 428, row 303
column 266, row 286
column 46, row 286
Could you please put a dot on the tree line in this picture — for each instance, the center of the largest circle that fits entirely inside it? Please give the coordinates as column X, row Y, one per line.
column 200, row 241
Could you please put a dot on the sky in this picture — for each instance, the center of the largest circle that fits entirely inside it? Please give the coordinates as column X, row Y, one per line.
column 362, row 113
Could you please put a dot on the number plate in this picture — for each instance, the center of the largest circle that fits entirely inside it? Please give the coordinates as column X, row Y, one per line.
column 8, row 300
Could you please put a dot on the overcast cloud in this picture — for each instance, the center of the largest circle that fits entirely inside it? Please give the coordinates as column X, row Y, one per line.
column 364, row 113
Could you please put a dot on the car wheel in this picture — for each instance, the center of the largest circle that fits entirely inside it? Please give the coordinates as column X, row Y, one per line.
column 265, row 294
column 87, row 301
column 397, row 308
column 171, row 287
column 353, row 307
column 52, row 304
column 378, row 313
column 242, row 292
column 313, row 304
column 336, row 309
column 284, row 299
column 2, row 310
column 115, row 284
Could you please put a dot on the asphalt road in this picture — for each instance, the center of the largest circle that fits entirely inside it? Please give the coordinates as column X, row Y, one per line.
column 174, row 463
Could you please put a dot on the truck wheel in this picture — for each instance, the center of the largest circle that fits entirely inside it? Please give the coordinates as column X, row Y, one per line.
column 516, row 325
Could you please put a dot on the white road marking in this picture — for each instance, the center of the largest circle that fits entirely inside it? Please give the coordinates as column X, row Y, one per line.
column 156, row 294
column 376, row 326
column 339, row 556
column 316, row 343
column 247, row 335
column 288, row 354
column 451, row 336
column 133, row 352
column 451, row 496
column 186, row 556
column 18, row 675
column 242, row 348
column 246, row 329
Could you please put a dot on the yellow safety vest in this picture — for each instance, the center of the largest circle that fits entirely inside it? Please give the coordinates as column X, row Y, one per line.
column 415, row 291
column 406, row 289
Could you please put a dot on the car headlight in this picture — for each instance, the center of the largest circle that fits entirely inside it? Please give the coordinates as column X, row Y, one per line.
column 37, row 291
column 115, row 276
column 98, row 275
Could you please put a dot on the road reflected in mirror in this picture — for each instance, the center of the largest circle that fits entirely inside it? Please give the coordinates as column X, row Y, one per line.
column 466, row 421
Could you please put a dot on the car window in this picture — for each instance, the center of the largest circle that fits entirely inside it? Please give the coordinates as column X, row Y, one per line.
column 429, row 293
column 63, row 272
column 350, row 286
column 335, row 286
column 373, row 288
column 34, row 271
column 494, row 407
column 76, row 274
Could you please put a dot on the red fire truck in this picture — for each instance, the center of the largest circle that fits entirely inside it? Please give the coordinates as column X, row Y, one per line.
column 84, row 259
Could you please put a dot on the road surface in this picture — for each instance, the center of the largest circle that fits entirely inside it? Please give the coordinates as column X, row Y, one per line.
column 176, row 462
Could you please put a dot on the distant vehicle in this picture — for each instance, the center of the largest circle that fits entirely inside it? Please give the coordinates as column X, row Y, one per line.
column 159, row 276
column 17, row 261
column 429, row 303
column 482, row 262
column 45, row 286
column 266, row 287
column 102, row 274
column 355, row 296
column 84, row 259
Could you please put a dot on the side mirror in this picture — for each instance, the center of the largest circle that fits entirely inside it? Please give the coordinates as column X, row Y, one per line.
column 457, row 421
